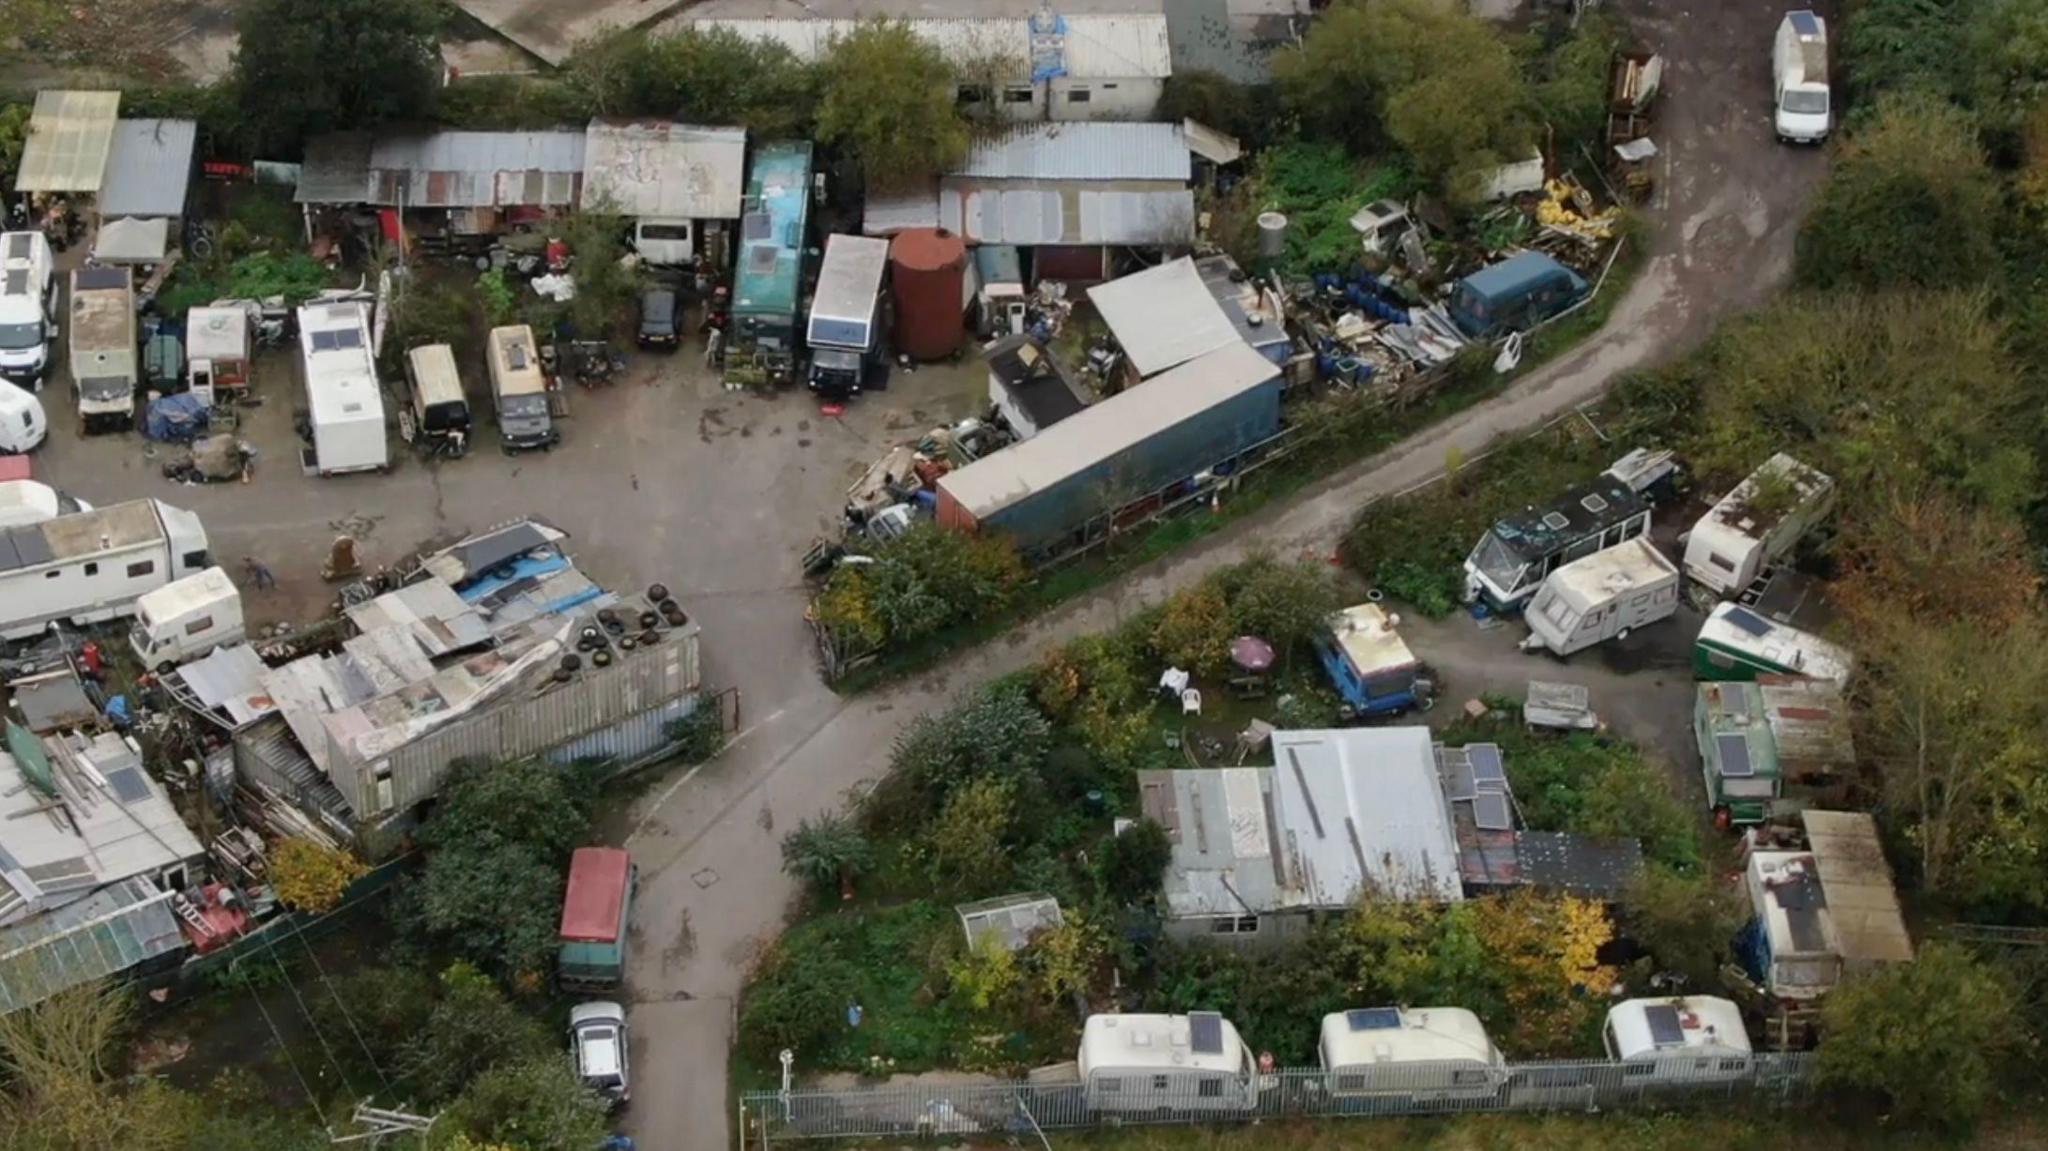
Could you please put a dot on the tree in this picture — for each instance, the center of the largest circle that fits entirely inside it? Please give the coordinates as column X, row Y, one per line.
column 534, row 1104
column 967, row 845
column 712, row 76
column 528, row 803
column 987, row 974
column 1066, row 960
column 927, row 579
column 311, row 876
column 2008, row 61
column 889, row 98
column 1130, row 866
column 1684, row 921
column 310, row 66
column 607, row 286
column 1902, row 45
column 1572, row 95
column 1285, row 603
column 1909, row 203
column 58, row 1095
column 1211, row 98
column 472, row 1029
column 1932, row 1036
column 828, row 853
column 1327, row 83
column 1193, row 631
column 995, row 733
column 1928, row 555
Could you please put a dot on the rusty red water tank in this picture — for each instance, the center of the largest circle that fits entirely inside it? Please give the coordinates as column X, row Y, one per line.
column 929, row 274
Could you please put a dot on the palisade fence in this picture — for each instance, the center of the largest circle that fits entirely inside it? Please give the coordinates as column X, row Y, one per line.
column 1026, row 1108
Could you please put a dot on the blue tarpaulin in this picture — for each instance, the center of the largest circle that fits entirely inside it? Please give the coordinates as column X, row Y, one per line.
column 178, row 418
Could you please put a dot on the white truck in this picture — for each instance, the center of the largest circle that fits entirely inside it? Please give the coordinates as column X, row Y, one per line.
column 1756, row 524
column 28, row 308
column 104, row 364
column 344, row 403
column 1799, row 76
column 1603, row 596
column 91, row 566
column 846, row 313
column 187, row 618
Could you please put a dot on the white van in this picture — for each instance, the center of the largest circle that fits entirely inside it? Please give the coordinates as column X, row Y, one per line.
column 1603, row 596
column 187, row 618
column 22, row 423
column 1803, row 111
column 28, row 308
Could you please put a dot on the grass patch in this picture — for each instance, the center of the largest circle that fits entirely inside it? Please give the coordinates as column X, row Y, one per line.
column 1693, row 1131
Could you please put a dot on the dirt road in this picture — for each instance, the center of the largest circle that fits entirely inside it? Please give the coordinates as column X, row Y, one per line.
column 1721, row 236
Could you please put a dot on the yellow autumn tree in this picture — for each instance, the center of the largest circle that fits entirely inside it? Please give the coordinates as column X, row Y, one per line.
column 311, row 876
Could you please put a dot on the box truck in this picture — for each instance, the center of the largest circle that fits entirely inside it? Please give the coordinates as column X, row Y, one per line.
column 28, row 308
column 186, row 618
column 91, row 566
column 596, row 910
column 344, row 403
column 845, row 313
column 1799, row 74
column 104, row 364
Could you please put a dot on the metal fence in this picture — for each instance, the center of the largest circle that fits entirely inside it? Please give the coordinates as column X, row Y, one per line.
column 1021, row 1107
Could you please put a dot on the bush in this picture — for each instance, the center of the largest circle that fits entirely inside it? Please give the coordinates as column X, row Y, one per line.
column 472, row 1029
column 1572, row 93
column 966, row 847
column 1131, row 866
column 892, row 962
column 919, row 583
column 1932, row 1036
column 311, row 876
column 714, row 76
column 535, row 1104
column 1685, row 922
column 1284, row 603
column 1193, row 631
column 994, row 733
column 889, row 99
column 828, row 853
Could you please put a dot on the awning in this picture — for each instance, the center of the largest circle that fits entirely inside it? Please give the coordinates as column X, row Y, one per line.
column 131, row 241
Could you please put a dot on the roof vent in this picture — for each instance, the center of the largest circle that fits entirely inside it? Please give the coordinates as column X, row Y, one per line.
column 1594, row 503
column 1556, row 521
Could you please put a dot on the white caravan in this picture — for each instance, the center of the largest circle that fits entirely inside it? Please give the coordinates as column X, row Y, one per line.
column 1757, row 523
column 1192, row 1062
column 1686, row 1039
column 1422, row 1053
column 1604, row 596
column 91, row 566
column 343, row 400
column 187, row 618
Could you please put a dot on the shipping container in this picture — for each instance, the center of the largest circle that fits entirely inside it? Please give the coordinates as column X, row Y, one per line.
column 929, row 277
column 1191, row 419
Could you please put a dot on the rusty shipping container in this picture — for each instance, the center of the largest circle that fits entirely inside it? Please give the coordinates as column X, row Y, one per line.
column 930, row 278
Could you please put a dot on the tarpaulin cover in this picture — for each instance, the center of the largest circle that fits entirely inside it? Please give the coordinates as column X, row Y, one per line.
column 177, row 418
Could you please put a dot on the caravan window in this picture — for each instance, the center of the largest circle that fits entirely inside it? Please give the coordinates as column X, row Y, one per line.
column 1734, row 1065
column 1109, row 1084
column 1716, row 559
column 1470, row 1078
column 1558, row 612
column 1350, row 1082
column 92, row 569
column 1637, row 1070
column 138, row 570
column 195, row 560
column 199, row 625
column 680, row 232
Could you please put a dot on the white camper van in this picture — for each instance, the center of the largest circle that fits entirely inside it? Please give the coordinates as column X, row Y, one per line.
column 343, row 400
column 186, row 618
column 1757, row 523
column 1422, row 1053
column 91, row 566
column 1192, row 1062
column 1799, row 74
column 28, row 308
column 1688, row 1039
column 22, row 422
column 1603, row 596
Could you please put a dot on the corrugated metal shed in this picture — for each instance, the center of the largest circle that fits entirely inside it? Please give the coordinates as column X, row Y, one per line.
column 105, row 934
column 884, row 215
column 445, row 170
column 1163, row 316
column 429, row 612
column 149, row 168
column 996, row 481
column 229, row 681
column 336, row 169
column 69, row 137
column 1087, row 150
column 1225, row 847
column 1362, row 809
column 1861, row 898
column 1098, row 47
column 665, row 171
column 1067, row 215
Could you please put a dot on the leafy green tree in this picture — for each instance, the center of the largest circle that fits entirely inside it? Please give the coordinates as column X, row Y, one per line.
column 1285, row 603
column 890, row 100
column 1910, row 203
column 607, row 286
column 2007, row 58
column 996, row 732
column 310, row 66
column 1248, row 113
column 1932, row 1036
column 1572, row 94
column 1131, row 866
column 967, row 846
column 1901, row 45
column 1194, row 630
column 1328, row 84
column 1065, row 961
column 711, row 76
column 473, row 1028
column 986, row 975
column 921, row 582
column 828, row 853
column 13, row 137
column 527, row 803
column 535, row 1104
column 1684, row 921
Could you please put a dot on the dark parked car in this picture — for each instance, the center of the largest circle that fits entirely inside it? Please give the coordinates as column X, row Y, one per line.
column 661, row 318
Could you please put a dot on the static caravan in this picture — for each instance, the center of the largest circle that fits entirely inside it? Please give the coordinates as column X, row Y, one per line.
column 186, row 618
column 1757, row 523
column 1426, row 1054
column 1738, row 644
column 1369, row 664
column 1680, row 1039
column 91, row 566
column 1520, row 551
column 343, row 400
column 1759, row 739
column 520, row 390
column 1604, row 596
column 846, row 313
column 1192, row 1062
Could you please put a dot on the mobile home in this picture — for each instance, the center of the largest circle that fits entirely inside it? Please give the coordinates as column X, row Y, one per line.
column 761, row 340
column 1757, row 740
column 846, row 313
column 1823, row 907
column 1756, row 524
column 91, row 566
column 186, row 618
column 1520, row 551
column 1738, row 644
column 1686, row 1039
column 520, row 390
column 1424, row 1053
column 344, row 402
column 1604, row 596
column 1192, row 1062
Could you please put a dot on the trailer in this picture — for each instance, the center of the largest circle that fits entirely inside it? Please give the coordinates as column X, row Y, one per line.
column 1604, row 596
column 1688, row 1039
column 91, row 566
column 105, row 367
column 217, row 352
column 846, row 314
column 1757, row 523
column 186, row 618
column 1773, row 746
column 1142, row 1063
column 1520, row 551
column 1418, row 1054
column 1736, row 643
column 344, row 403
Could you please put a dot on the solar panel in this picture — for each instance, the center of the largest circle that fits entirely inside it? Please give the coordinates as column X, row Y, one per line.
column 1807, row 933
column 1486, row 765
column 1490, row 812
column 1734, row 750
column 1373, row 1019
column 756, row 226
column 1803, row 23
column 1205, row 1032
column 17, row 282
column 1460, row 786
column 1665, row 1030
column 128, row 785
column 17, row 246
column 1748, row 621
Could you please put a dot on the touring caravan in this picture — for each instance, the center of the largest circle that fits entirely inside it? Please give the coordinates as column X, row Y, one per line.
column 91, row 566
column 217, row 352
column 186, row 618
column 1515, row 555
column 1756, row 524
column 1738, row 644
column 344, row 404
column 440, row 411
column 519, row 390
column 1422, row 1054
column 1603, row 596
column 1680, row 1039
column 1193, row 1062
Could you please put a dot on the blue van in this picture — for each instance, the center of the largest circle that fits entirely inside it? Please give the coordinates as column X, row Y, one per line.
column 1513, row 295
